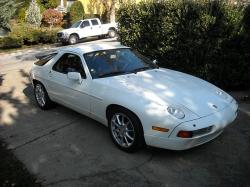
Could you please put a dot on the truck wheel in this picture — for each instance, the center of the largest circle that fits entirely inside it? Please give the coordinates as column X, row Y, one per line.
column 73, row 39
column 112, row 33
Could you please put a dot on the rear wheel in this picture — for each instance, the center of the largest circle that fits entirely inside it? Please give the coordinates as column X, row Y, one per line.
column 73, row 39
column 42, row 97
column 112, row 33
column 125, row 130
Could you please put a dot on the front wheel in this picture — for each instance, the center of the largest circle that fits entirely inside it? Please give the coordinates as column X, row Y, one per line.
column 125, row 130
column 73, row 39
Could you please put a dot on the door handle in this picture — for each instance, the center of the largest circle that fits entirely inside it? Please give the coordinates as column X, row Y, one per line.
column 50, row 73
column 90, row 27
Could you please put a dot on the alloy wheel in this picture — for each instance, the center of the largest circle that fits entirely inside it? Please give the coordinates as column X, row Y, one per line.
column 122, row 130
column 40, row 95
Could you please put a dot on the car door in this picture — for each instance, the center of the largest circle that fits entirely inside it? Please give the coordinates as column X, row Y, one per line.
column 73, row 94
column 96, row 27
column 86, row 29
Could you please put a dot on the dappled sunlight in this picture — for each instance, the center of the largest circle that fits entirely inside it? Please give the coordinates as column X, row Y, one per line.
column 9, row 113
column 153, row 97
column 161, row 86
column 169, row 93
column 154, row 109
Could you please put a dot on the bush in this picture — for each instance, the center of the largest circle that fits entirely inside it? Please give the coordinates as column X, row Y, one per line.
column 76, row 12
column 206, row 39
column 33, row 15
column 21, row 15
column 10, row 42
column 25, row 35
column 50, row 3
column 52, row 18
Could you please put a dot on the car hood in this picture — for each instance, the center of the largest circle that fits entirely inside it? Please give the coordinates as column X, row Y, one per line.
column 167, row 87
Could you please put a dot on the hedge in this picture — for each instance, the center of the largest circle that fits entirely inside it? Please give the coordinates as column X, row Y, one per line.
column 209, row 39
column 27, row 35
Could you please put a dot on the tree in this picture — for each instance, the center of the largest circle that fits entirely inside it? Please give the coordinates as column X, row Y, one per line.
column 33, row 15
column 7, row 9
column 76, row 12
column 52, row 17
column 109, row 6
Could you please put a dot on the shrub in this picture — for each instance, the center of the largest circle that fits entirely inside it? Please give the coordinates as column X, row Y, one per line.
column 50, row 3
column 202, row 38
column 21, row 15
column 27, row 35
column 33, row 15
column 52, row 17
column 76, row 12
column 10, row 42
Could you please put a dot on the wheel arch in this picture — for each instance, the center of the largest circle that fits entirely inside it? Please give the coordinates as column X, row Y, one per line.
column 114, row 106
column 35, row 81
column 75, row 35
column 112, row 28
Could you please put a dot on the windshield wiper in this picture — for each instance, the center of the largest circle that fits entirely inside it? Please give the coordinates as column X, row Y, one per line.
column 112, row 74
column 141, row 69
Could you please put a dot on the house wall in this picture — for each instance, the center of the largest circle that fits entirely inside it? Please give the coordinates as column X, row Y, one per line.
column 96, row 6
column 92, row 6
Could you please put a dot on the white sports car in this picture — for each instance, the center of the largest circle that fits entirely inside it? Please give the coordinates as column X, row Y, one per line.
column 138, row 101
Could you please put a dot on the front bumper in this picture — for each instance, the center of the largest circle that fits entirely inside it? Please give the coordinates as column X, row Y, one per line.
column 62, row 37
column 219, row 120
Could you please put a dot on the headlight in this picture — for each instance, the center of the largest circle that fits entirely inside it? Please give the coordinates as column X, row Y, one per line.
column 178, row 113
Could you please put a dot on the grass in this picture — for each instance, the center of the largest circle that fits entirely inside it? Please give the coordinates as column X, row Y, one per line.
column 13, row 172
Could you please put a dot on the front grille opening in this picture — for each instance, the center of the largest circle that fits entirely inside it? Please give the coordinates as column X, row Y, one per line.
column 202, row 131
column 195, row 133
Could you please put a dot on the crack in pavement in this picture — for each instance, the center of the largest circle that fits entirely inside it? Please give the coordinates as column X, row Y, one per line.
column 84, row 177
column 39, row 137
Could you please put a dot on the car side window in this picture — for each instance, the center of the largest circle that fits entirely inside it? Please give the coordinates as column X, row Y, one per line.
column 85, row 24
column 69, row 63
column 94, row 22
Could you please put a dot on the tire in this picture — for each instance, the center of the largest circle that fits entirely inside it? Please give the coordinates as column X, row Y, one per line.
column 101, row 37
column 64, row 43
column 127, row 134
column 73, row 39
column 112, row 33
column 42, row 98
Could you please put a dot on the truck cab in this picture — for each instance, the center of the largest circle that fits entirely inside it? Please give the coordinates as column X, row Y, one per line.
column 86, row 28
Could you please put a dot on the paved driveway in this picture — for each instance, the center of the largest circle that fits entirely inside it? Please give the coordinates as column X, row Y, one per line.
column 64, row 148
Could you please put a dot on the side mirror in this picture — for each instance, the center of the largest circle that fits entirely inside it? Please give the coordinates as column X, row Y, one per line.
column 75, row 76
column 155, row 61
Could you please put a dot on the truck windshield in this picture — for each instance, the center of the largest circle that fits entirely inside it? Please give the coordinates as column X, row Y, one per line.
column 115, row 62
column 75, row 25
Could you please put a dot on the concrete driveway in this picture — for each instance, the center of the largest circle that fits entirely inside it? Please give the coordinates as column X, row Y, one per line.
column 64, row 148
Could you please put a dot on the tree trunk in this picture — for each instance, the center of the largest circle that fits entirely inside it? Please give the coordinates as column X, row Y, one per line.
column 112, row 11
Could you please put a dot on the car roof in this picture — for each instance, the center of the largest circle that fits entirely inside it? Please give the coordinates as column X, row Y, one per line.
column 92, row 47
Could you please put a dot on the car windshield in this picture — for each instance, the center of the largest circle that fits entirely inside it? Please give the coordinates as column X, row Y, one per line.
column 75, row 25
column 116, row 62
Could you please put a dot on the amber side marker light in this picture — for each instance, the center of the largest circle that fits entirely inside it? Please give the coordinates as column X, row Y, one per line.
column 185, row 134
column 161, row 129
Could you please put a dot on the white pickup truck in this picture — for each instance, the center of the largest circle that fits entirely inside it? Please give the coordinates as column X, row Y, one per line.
column 86, row 28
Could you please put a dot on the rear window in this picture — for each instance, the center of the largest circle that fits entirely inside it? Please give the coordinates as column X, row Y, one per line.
column 45, row 59
column 94, row 22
